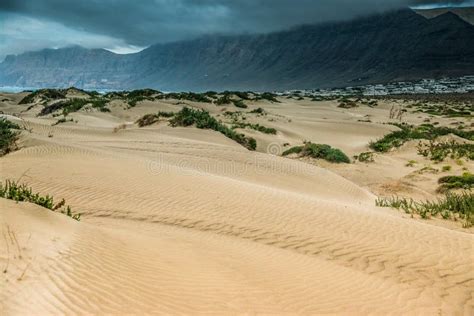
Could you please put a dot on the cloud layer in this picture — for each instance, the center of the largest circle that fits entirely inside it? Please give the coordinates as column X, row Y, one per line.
column 124, row 25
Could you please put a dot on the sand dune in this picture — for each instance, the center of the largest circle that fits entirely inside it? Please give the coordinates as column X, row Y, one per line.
column 185, row 221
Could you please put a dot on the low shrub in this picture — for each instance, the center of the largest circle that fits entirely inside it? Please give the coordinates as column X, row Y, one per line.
column 259, row 111
column 240, row 104
column 202, row 119
column 347, row 104
column 319, row 151
column 267, row 96
column 61, row 121
column 22, row 193
column 44, row 94
column 365, row 157
column 74, row 105
column 9, row 133
column 257, row 127
column 439, row 151
column 150, row 119
column 224, row 100
column 408, row 132
column 466, row 181
column 451, row 206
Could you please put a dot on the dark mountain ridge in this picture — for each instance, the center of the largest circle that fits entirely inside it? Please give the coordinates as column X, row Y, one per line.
column 400, row 45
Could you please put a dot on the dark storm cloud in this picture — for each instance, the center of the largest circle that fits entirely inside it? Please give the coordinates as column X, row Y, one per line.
column 148, row 21
column 145, row 22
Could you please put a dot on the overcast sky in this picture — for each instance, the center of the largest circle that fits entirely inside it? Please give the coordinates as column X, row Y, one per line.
column 127, row 26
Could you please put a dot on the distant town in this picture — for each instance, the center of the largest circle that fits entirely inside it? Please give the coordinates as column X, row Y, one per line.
column 425, row 86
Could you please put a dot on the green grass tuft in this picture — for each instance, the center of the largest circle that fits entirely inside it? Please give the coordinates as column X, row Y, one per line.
column 439, row 151
column 451, row 206
column 22, row 193
column 466, row 181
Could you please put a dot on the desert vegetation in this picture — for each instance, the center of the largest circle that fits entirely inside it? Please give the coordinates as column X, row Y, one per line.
column 318, row 151
column 44, row 95
column 239, row 104
column 465, row 181
column 347, row 104
column 9, row 133
column 257, row 127
column 439, row 151
column 23, row 193
column 409, row 132
column 267, row 96
column 451, row 206
column 150, row 119
column 259, row 111
column 74, row 105
column 203, row 120
column 365, row 157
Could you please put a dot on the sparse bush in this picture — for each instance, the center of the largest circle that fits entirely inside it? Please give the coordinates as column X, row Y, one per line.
column 240, row 104
column 74, row 105
column 8, row 136
column 408, row 132
column 466, row 181
column 257, row 127
column 22, row 193
column 319, row 151
column 202, row 119
column 439, row 151
column 62, row 120
column 267, row 96
column 451, row 206
column 446, row 168
column 347, row 104
column 223, row 100
column 150, row 119
column 44, row 95
column 411, row 163
column 259, row 111
column 365, row 157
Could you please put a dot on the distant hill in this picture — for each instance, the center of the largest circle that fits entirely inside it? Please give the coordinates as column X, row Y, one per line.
column 395, row 46
column 467, row 14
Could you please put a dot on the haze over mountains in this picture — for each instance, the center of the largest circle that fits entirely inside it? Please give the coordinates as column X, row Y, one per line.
column 400, row 45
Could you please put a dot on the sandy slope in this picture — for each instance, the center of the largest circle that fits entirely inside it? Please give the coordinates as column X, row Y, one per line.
column 186, row 221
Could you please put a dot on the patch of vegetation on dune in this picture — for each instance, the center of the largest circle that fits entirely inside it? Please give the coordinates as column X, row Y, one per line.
column 22, row 193
column 44, row 95
column 439, row 151
column 202, row 119
column 365, row 157
column 347, row 104
column 223, row 100
column 9, row 133
column 188, row 96
column 447, row 109
column 319, row 151
column 259, row 111
column 451, row 206
column 410, row 132
column 267, row 96
column 239, row 104
column 74, row 105
column 465, row 181
column 134, row 96
column 257, row 127
column 150, row 119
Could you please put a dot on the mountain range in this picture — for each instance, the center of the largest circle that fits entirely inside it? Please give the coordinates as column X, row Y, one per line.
column 395, row 46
